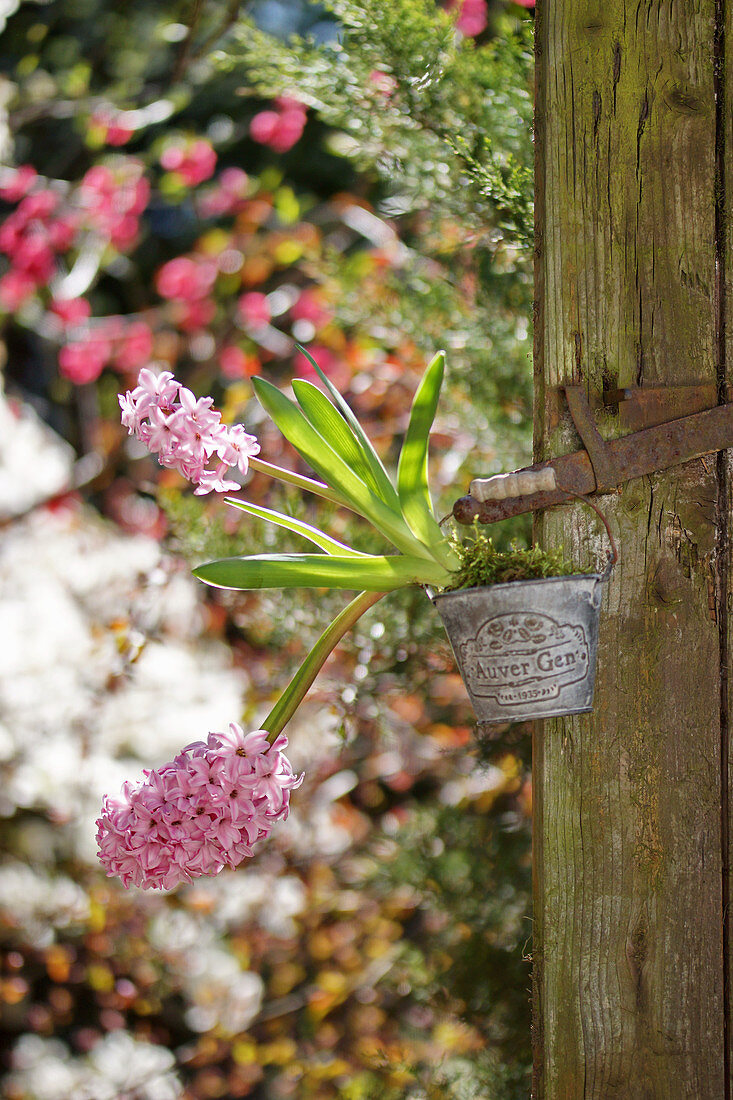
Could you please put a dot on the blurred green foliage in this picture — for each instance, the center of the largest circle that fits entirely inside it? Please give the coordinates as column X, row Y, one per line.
column 449, row 139
column 444, row 122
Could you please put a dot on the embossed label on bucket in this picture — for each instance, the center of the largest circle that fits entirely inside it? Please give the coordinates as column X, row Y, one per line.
column 523, row 656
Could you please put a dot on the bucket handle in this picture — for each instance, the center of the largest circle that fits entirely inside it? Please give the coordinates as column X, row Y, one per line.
column 613, row 556
column 528, row 482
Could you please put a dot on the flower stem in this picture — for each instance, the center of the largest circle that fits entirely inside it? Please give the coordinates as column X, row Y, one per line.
column 296, row 690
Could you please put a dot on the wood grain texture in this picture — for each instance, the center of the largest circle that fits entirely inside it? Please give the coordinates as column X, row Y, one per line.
column 628, row 947
column 724, row 601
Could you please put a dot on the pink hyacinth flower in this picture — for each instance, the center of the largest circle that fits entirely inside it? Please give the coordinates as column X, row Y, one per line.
column 237, row 448
column 213, row 481
column 199, row 813
column 156, row 389
column 186, row 432
column 243, row 744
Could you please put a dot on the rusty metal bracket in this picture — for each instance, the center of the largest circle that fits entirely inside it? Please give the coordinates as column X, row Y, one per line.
column 603, row 466
column 641, row 407
column 602, row 459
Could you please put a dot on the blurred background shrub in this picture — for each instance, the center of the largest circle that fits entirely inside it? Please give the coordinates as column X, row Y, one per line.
column 199, row 186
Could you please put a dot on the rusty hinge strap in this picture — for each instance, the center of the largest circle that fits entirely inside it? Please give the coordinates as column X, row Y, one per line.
column 604, row 467
column 640, row 407
column 632, row 456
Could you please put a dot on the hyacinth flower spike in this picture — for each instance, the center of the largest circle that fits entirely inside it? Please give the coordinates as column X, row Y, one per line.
column 207, row 808
column 199, row 813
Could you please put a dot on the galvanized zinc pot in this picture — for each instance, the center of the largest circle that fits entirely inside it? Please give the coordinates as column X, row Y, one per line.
column 526, row 649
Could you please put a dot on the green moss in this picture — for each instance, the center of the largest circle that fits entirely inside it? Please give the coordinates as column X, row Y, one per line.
column 482, row 564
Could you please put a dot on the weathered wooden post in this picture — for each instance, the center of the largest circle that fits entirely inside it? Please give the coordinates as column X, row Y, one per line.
column 631, row 828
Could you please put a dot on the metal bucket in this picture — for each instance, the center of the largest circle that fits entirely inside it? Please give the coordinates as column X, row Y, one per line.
column 526, row 649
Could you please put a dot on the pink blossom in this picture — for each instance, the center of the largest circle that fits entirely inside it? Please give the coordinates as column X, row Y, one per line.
column 111, row 127
column 309, row 307
column 16, row 287
column 201, row 770
column 195, row 315
column 135, row 190
column 243, row 744
column 214, row 481
column 234, row 181
column 194, row 161
column 216, row 202
column 288, row 130
column 11, row 232
column 263, row 126
column 131, row 413
column 28, row 237
column 38, row 205
column 235, row 363
column 172, row 157
column 197, row 814
column 282, row 128
column 97, row 185
column 157, row 389
column 159, row 436
column 254, row 309
column 113, row 198
column 289, row 103
column 184, row 279
column 382, row 82
column 237, row 448
column 17, row 182
column 84, row 360
column 195, row 415
column 118, row 131
column 228, row 194
column 35, row 258
column 123, row 231
column 135, row 348
column 107, row 192
column 176, row 278
column 200, row 162
column 62, row 231
column 71, row 311
column 186, row 433
column 472, row 17
column 270, row 782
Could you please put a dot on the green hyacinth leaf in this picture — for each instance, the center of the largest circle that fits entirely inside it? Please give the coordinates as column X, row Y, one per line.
column 372, row 573
column 379, row 473
column 329, row 422
column 298, row 430
column 306, row 530
column 412, row 472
